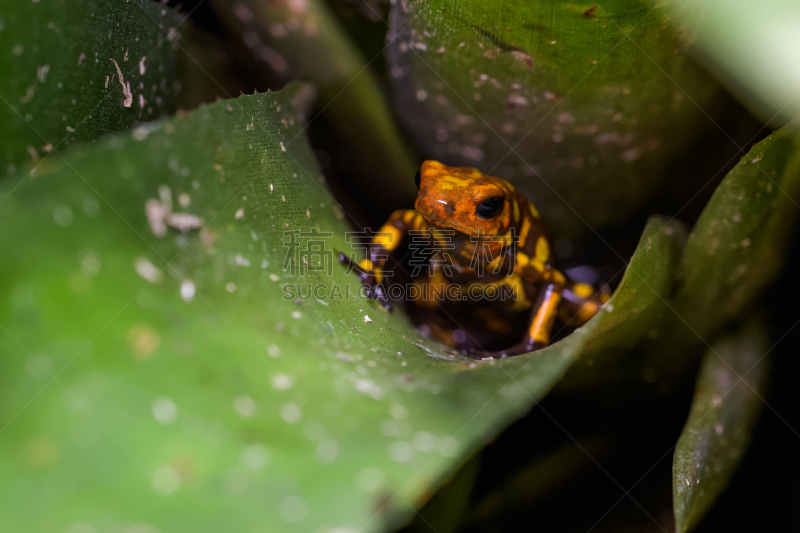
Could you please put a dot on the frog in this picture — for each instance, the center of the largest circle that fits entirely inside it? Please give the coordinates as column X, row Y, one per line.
column 486, row 284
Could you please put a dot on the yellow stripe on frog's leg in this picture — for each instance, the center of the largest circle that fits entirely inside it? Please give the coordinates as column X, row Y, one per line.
column 580, row 303
column 524, row 232
column 536, row 267
column 389, row 237
column 542, row 251
column 545, row 312
column 542, row 319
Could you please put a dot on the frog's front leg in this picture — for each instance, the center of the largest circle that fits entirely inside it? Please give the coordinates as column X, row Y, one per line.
column 372, row 269
column 543, row 315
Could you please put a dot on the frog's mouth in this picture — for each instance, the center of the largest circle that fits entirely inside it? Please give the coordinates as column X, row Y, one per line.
column 430, row 217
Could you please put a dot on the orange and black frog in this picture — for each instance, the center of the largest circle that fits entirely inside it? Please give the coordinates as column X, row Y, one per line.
column 472, row 265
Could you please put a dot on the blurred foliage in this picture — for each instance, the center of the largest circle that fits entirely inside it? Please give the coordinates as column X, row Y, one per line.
column 738, row 243
column 735, row 250
column 161, row 368
column 74, row 71
column 729, row 395
column 753, row 48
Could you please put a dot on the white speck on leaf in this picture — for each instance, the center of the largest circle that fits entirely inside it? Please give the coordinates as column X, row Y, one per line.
column 369, row 388
column 281, row 381
column 239, row 215
column 244, row 405
column 424, row 441
column 187, row 290
column 90, row 265
column 273, row 351
column 126, row 86
column 165, row 410
column 327, row 451
column 517, row 100
column 184, row 222
column 291, row 413
column 400, row 451
column 41, row 73
column 255, row 456
column 30, row 92
column 156, row 215
column 147, row 270
column 63, row 216
column 522, row 57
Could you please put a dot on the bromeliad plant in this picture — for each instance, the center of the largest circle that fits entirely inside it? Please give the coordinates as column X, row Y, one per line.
column 154, row 373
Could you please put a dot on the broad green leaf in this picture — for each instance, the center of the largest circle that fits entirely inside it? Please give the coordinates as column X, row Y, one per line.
column 174, row 380
column 576, row 104
column 753, row 48
column 727, row 400
column 59, row 82
column 306, row 42
column 737, row 246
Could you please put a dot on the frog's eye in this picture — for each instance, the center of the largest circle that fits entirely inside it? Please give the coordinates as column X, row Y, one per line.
column 490, row 207
column 417, row 179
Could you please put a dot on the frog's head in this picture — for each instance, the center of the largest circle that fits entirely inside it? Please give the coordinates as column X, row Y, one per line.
column 464, row 199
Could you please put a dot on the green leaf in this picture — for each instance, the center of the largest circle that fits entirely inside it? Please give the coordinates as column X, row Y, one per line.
column 136, row 365
column 727, row 400
column 576, row 104
column 59, row 82
column 736, row 247
column 752, row 48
